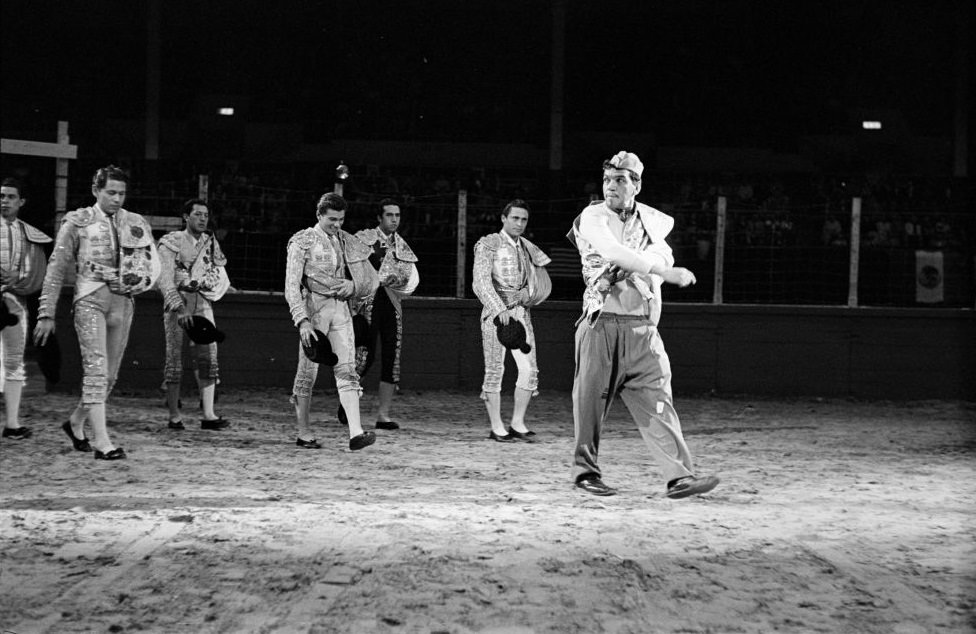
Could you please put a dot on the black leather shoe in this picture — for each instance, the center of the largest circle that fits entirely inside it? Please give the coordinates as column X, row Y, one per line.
column 20, row 433
column 593, row 484
column 386, row 424
column 80, row 444
column 528, row 436
column 507, row 438
column 176, row 424
column 216, row 424
column 341, row 415
column 115, row 454
column 308, row 444
column 691, row 485
column 362, row 441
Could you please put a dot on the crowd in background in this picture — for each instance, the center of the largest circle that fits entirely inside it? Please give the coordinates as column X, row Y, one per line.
column 764, row 210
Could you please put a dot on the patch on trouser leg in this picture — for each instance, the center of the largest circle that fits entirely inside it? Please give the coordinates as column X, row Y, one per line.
column 305, row 377
column 94, row 389
column 528, row 381
column 346, row 378
column 205, row 362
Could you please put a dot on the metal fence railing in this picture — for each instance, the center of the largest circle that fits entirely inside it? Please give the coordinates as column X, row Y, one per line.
column 768, row 254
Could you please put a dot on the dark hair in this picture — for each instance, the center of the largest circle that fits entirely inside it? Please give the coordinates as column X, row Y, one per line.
column 633, row 175
column 331, row 200
column 188, row 206
column 518, row 202
column 109, row 173
column 386, row 202
column 13, row 182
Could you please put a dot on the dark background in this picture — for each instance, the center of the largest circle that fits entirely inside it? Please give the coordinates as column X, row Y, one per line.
column 759, row 102
column 729, row 73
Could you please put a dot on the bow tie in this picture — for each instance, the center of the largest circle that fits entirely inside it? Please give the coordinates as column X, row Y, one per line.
column 625, row 214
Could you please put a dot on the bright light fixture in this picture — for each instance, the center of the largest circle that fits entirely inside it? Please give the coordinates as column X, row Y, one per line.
column 225, row 112
column 871, row 125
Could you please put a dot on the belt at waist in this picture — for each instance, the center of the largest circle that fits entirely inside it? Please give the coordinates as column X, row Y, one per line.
column 616, row 317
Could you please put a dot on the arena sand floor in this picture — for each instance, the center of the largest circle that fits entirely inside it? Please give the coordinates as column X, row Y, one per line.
column 832, row 516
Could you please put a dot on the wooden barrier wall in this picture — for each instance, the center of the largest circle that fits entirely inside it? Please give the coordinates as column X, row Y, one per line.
column 871, row 353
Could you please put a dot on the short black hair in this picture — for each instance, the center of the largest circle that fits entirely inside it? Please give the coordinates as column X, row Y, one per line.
column 518, row 202
column 387, row 202
column 187, row 208
column 331, row 200
column 634, row 176
column 109, row 173
column 10, row 181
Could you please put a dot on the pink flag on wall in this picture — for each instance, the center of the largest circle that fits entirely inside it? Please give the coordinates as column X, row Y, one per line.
column 929, row 280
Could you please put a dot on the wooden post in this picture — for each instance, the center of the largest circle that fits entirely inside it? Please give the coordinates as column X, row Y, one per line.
column 61, row 172
column 203, row 187
column 855, row 252
column 62, row 151
column 462, row 242
column 720, row 209
column 153, row 81
column 558, row 54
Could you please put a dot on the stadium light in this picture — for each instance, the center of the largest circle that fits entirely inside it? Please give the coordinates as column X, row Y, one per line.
column 341, row 175
column 225, row 112
column 871, row 125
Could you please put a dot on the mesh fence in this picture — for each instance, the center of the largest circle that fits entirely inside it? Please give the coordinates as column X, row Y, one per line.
column 772, row 254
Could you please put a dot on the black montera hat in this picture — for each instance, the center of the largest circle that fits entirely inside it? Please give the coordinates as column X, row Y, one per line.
column 49, row 359
column 204, row 332
column 320, row 351
column 512, row 335
column 360, row 328
column 6, row 319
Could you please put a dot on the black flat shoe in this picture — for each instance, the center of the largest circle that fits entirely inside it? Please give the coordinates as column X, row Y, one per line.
column 176, row 424
column 691, row 485
column 19, row 433
column 362, row 441
column 80, row 444
column 308, row 444
column 115, row 454
column 593, row 484
column 216, row 424
column 508, row 438
column 528, row 436
column 387, row 424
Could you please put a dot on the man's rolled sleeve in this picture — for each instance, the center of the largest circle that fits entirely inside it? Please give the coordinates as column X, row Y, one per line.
column 482, row 284
column 595, row 230
column 62, row 258
column 294, row 269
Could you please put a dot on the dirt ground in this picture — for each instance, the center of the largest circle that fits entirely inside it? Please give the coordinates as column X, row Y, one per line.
column 832, row 516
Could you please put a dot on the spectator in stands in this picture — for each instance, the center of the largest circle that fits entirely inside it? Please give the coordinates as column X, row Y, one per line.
column 193, row 278
column 509, row 278
column 22, row 268
column 115, row 257
column 625, row 259
column 913, row 232
column 833, row 234
column 327, row 277
column 396, row 266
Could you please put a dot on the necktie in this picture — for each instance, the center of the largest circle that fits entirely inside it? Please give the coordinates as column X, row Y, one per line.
column 337, row 247
column 10, row 246
column 115, row 236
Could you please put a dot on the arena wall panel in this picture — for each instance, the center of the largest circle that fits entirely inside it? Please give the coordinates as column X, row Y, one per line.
column 876, row 353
